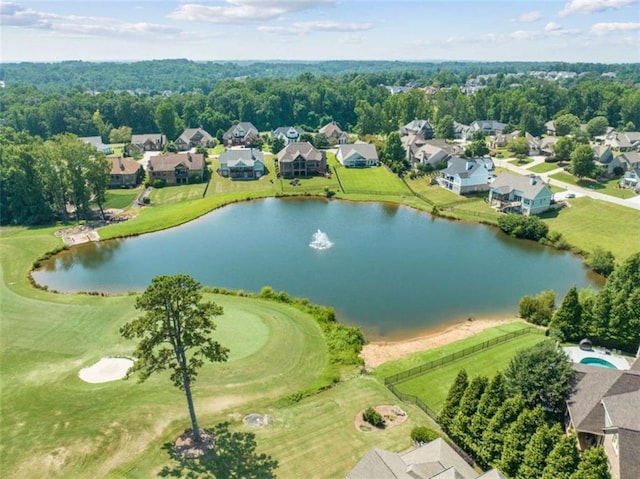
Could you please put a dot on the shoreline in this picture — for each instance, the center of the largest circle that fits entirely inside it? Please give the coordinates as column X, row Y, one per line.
column 379, row 352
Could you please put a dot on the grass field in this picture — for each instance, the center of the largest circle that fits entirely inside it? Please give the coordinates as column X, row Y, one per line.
column 544, row 167
column 374, row 180
column 609, row 187
column 432, row 387
column 590, row 223
column 121, row 198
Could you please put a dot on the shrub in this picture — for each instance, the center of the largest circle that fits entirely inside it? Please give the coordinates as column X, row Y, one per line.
column 423, row 434
column 159, row 183
column 146, row 200
column 528, row 227
column 373, row 417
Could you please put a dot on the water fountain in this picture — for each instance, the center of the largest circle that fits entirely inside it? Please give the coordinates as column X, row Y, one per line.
column 320, row 241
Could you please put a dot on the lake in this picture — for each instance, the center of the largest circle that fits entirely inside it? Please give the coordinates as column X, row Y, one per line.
column 389, row 269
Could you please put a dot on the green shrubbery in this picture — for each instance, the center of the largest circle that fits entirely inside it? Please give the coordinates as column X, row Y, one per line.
column 373, row 417
column 527, row 227
column 538, row 309
column 423, row 434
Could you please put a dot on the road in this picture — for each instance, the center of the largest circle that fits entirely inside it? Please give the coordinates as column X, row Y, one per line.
column 576, row 190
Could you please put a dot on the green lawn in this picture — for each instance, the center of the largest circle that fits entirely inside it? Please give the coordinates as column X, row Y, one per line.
column 177, row 194
column 590, row 223
column 374, row 180
column 121, row 198
column 433, row 386
column 520, row 161
column 609, row 187
column 544, row 167
column 221, row 185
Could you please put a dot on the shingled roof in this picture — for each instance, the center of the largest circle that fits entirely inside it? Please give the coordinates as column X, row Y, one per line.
column 169, row 161
column 304, row 149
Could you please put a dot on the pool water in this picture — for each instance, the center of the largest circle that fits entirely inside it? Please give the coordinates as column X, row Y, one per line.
column 597, row 362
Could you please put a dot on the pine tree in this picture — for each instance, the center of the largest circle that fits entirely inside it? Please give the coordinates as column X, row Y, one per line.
column 566, row 323
column 593, row 465
column 563, row 459
column 517, row 438
column 490, row 402
column 540, row 446
column 490, row 449
column 451, row 404
column 461, row 423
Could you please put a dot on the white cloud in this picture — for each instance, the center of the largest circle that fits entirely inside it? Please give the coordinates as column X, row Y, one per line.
column 298, row 28
column 244, row 11
column 350, row 39
column 528, row 17
column 592, row 6
column 615, row 27
column 552, row 27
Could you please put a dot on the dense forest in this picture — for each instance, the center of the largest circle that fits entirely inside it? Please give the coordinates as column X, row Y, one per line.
column 357, row 102
column 181, row 76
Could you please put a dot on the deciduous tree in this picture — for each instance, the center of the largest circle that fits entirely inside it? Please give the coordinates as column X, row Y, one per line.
column 583, row 161
column 563, row 148
column 597, row 126
column 175, row 333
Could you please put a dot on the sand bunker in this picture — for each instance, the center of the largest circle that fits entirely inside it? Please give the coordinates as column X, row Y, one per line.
column 105, row 370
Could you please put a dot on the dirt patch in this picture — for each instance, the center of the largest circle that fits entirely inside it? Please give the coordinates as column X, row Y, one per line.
column 258, row 420
column 187, row 446
column 392, row 415
column 379, row 352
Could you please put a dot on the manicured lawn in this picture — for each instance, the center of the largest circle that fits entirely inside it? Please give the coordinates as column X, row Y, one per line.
column 544, row 167
column 374, row 180
column 521, row 161
column 433, row 386
column 221, row 185
column 590, row 223
column 121, row 198
column 55, row 425
column 609, row 187
column 176, row 194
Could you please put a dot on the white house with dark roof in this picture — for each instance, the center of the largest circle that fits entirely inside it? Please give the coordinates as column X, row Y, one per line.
column 464, row 176
column 241, row 134
column 242, row 164
column 357, row 155
column 434, row 460
column 512, row 193
column 631, row 179
column 288, row 134
column 604, row 409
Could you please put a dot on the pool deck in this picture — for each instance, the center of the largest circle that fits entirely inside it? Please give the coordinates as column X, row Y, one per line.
column 576, row 355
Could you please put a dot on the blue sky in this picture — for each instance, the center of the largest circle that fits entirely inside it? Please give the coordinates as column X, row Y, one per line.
column 605, row 31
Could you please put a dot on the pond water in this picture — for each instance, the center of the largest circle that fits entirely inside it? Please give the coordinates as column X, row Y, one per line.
column 389, row 269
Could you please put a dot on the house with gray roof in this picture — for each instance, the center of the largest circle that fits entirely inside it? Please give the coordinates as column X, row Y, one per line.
column 461, row 131
column 464, row 176
column 629, row 160
column 357, row 155
column 422, row 128
column 96, row 142
column 146, row 142
column 604, row 409
column 241, row 134
column 333, row 133
column 488, row 127
column 288, row 134
column 435, row 459
column 626, row 141
column 631, row 179
column 527, row 195
column 242, row 164
column 300, row 160
column 192, row 137
column 176, row 168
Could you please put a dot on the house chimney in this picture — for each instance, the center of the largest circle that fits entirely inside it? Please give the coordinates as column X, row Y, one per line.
column 469, row 164
column 189, row 157
column 532, row 180
column 120, row 164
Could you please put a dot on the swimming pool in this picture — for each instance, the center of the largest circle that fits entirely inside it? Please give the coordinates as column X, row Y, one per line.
column 597, row 362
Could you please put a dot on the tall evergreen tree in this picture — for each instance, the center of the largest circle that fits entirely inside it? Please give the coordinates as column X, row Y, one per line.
column 452, row 402
column 492, row 398
column 461, row 423
column 490, row 448
column 517, row 438
column 563, row 459
column 566, row 323
column 593, row 465
column 538, row 449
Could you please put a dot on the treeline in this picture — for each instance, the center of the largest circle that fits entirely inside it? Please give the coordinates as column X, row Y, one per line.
column 513, row 422
column 181, row 76
column 609, row 317
column 44, row 181
column 357, row 102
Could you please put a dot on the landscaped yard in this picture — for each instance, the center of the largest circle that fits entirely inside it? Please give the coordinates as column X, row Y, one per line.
column 268, row 184
column 610, row 187
column 121, row 198
column 176, row 194
column 544, row 167
column 374, row 180
column 521, row 161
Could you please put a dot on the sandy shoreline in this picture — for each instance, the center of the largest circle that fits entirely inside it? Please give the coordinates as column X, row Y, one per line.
column 378, row 352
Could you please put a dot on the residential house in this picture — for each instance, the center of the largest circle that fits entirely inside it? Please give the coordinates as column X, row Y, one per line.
column 192, row 137
column 501, row 140
column 629, row 160
column 627, row 141
column 333, row 132
column 462, row 132
column 96, row 142
column 146, row 142
column 288, row 134
column 464, row 176
column 546, row 145
column 242, row 164
column 430, row 90
column 604, row 157
column 488, row 127
column 300, row 160
column 422, row 128
column 176, row 168
column 603, row 410
column 241, row 134
column 357, row 155
column 124, row 173
column 528, row 195
column 429, row 154
column 435, row 459
column 631, row 179
column 550, row 126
